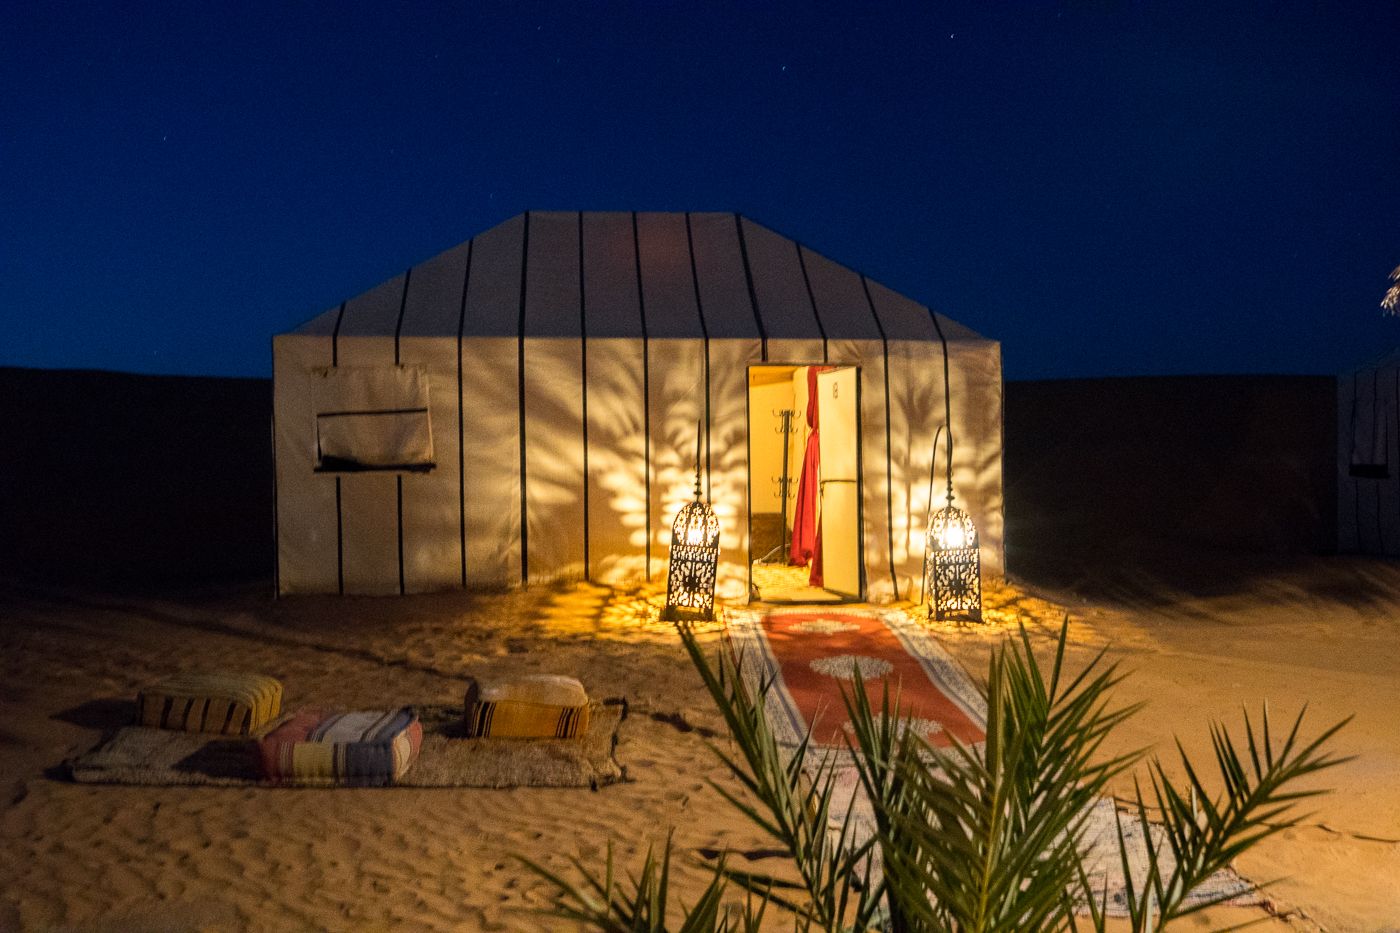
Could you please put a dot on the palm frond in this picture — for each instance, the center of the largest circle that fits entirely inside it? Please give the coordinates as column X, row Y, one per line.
column 972, row 838
column 794, row 806
column 987, row 839
column 1206, row 836
column 604, row 906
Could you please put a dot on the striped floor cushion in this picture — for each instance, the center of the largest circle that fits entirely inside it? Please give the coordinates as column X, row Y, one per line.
column 222, row 702
column 536, row 706
column 365, row 749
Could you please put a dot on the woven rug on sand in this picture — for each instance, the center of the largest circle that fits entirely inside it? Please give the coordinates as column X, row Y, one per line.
column 808, row 653
column 814, row 652
column 446, row 759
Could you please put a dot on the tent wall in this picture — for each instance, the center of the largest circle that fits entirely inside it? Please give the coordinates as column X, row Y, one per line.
column 570, row 357
column 917, row 414
column 431, row 511
column 308, row 539
column 490, row 353
column 619, row 469
column 1368, row 460
column 728, row 454
column 552, row 398
column 369, row 502
column 431, row 504
column 678, row 357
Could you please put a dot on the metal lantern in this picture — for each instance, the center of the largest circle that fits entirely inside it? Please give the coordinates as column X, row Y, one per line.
column 955, row 568
column 690, row 581
column 952, row 561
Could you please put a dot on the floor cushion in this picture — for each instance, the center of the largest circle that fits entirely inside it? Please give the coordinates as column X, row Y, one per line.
column 360, row 749
column 535, row 706
column 222, row 702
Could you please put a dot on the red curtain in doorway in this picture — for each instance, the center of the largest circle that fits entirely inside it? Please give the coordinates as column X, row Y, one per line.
column 806, row 524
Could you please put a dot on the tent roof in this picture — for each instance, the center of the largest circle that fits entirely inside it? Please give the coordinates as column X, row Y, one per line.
column 628, row 274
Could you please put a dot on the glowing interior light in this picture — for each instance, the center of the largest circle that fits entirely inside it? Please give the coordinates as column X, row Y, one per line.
column 690, row 579
column 954, row 566
column 695, row 526
column 690, row 588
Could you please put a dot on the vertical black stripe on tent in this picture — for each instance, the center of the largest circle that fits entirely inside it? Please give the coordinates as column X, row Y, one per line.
column 583, row 357
column 461, row 421
column 520, row 369
column 646, row 386
column 705, row 335
column 398, row 328
column 339, row 544
column 889, row 460
column 812, row 298
column 753, row 296
column 403, row 303
column 335, row 336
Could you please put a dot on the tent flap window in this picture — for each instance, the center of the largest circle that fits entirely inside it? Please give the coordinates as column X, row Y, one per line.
column 373, row 419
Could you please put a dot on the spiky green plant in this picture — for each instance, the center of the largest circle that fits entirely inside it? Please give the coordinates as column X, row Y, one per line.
column 972, row 839
column 1205, row 834
column 986, row 839
column 604, row 905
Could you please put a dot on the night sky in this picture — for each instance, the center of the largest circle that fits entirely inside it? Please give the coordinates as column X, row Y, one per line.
column 1108, row 188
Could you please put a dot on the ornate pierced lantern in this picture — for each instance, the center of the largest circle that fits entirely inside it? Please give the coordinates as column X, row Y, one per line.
column 690, row 581
column 952, row 562
column 955, row 567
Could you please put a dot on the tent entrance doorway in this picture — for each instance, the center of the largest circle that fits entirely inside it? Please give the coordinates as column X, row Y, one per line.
column 805, row 484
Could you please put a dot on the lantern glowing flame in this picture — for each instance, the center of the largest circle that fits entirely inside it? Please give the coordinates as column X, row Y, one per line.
column 695, row 524
column 952, row 528
column 690, row 582
column 954, row 566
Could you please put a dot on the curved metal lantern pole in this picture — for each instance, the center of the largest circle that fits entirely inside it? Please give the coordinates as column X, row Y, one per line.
column 954, row 575
column 694, row 562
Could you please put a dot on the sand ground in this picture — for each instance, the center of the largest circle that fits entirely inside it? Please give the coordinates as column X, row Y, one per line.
column 1325, row 632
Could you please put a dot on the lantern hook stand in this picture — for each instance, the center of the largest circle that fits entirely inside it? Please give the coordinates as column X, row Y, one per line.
column 955, row 576
column 928, row 516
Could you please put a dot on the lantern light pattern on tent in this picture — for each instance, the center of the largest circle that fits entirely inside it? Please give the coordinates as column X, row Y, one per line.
column 690, row 581
column 955, row 568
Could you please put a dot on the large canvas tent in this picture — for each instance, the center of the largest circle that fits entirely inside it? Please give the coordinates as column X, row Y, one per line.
column 1368, row 458
column 524, row 408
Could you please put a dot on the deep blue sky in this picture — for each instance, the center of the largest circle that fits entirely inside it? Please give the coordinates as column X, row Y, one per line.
column 1109, row 188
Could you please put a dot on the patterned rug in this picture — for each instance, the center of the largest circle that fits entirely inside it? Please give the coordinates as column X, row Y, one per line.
column 814, row 652
column 809, row 652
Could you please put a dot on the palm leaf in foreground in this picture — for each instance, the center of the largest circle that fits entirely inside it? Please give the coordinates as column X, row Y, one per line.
column 603, row 904
column 972, row 839
column 796, row 807
column 1206, row 834
column 987, row 839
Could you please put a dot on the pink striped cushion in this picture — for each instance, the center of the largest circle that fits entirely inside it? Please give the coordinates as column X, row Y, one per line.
column 361, row 749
